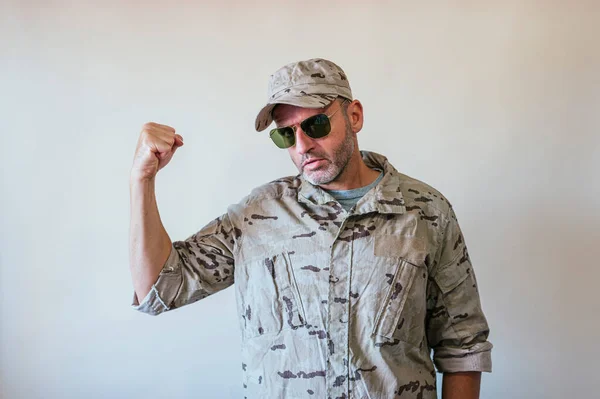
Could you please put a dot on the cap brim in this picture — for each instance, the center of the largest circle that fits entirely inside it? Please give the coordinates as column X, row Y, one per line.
column 303, row 99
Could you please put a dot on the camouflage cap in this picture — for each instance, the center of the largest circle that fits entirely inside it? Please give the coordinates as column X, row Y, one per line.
column 313, row 83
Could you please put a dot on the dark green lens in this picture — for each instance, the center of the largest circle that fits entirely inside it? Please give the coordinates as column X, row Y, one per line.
column 316, row 126
column 283, row 137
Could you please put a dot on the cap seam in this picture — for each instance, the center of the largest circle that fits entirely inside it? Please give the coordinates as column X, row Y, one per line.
column 308, row 84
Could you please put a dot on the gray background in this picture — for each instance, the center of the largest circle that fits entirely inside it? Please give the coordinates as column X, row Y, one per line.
column 496, row 104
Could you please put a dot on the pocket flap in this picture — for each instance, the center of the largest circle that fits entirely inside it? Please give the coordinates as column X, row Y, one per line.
column 450, row 277
column 410, row 248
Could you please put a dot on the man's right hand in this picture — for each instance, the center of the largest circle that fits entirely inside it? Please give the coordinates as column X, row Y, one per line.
column 155, row 148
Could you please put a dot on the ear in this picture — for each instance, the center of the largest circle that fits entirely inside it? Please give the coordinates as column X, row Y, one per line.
column 355, row 116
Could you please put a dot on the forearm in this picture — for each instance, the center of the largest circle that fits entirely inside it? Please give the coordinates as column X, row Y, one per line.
column 149, row 243
column 464, row 385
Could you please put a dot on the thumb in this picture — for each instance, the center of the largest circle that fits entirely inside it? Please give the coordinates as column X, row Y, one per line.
column 178, row 141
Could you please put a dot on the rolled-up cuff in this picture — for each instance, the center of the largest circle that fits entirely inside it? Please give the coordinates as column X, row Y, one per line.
column 454, row 360
column 164, row 291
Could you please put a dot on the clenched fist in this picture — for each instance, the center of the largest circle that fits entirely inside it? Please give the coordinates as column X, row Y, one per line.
column 155, row 148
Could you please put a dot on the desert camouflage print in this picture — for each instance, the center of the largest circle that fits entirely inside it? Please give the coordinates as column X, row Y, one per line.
column 335, row 304
column 312, row 83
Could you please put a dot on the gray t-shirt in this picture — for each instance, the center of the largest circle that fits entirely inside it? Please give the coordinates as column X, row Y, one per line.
column 349, row 198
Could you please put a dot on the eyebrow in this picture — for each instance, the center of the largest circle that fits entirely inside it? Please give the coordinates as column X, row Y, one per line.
column 278, row 121
column 322, row 111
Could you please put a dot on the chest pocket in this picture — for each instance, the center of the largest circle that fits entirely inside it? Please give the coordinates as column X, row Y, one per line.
column 270, row 299
column 401, row 314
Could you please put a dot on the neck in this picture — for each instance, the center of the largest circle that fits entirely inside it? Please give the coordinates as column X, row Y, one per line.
column 356, row 174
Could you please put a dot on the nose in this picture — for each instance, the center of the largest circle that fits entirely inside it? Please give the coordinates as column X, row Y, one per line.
column 303, row 143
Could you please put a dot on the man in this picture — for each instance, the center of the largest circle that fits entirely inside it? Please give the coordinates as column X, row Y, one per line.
column 346, row 276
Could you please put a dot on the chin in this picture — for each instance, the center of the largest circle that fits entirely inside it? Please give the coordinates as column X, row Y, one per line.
column 318, row 178
column 311, row 178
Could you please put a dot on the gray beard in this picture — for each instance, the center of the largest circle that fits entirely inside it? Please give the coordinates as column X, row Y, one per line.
column 342, row 156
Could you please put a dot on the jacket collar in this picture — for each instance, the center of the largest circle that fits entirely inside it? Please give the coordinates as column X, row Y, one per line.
column 385, row 197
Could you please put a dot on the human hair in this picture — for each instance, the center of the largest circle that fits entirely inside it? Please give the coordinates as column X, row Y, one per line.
column 344, row 103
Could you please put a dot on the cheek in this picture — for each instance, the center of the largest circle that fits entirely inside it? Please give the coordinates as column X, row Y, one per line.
column 329, row 147
column 293, row 156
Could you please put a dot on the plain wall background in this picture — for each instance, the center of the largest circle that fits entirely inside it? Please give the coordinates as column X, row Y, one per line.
column 494, row 103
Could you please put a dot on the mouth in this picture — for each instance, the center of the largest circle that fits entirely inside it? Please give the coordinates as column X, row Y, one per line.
column 312, row 161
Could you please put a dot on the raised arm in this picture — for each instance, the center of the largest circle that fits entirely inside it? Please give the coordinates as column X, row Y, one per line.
column 149, row 243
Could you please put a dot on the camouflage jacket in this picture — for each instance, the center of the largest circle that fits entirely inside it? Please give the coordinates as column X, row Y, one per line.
column 336, row 304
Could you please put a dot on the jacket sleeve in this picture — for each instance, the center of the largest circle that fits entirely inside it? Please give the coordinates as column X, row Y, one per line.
column 457, row 330
column 197, row 267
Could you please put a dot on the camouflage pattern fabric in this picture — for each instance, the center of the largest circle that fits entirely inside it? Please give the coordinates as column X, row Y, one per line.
column 313, row 83
column 336, row 304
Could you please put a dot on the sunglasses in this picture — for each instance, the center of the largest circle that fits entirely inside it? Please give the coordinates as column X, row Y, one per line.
column 315, row 127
